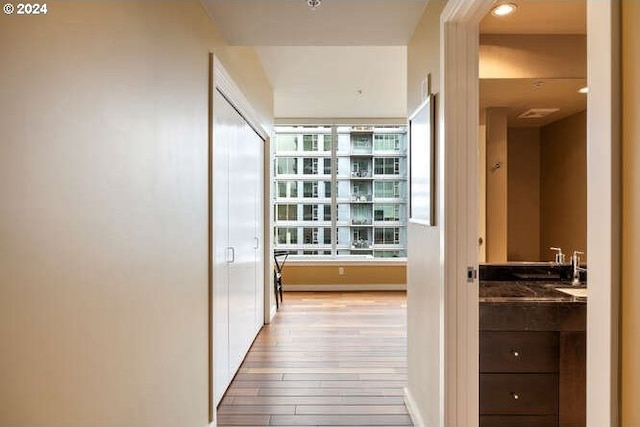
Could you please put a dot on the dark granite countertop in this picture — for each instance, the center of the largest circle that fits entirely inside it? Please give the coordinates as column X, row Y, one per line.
column 527, row 292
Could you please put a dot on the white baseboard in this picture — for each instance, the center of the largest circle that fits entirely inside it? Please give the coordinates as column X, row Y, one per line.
column 416, row 418
column 345, row 287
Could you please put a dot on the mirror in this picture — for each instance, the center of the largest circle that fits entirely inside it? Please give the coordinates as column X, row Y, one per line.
column 532, row 173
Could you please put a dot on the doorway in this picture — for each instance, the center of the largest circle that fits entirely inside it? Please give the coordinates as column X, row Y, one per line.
column 460, row 34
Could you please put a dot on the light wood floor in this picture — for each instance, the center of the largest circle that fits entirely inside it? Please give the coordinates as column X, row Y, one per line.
column 328, row 359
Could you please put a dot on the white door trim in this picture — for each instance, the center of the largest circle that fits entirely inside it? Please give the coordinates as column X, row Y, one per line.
column 458, row 145
column 603, row 211
column 458, row 128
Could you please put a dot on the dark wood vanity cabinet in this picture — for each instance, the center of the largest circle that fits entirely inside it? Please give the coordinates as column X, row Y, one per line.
column 532, row 369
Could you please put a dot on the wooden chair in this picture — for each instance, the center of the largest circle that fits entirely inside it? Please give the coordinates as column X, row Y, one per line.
column 279, row 258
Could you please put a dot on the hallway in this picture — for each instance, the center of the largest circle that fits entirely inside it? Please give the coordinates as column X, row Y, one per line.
column 329, row 358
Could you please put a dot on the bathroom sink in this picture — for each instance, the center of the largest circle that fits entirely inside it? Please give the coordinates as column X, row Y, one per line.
column 574, row 292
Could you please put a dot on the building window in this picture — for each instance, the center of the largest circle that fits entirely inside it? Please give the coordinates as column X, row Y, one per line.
column 310, row 166
column 287, row 189
column 387, row 189
column 327, row 166
column 285, row 142
column 327, row 189
column 310, row 142
column 387, row 236
column 287, row 166
column 309, row 212
column 327, row 212
column 387, row 166
column 310, row 235
column 341, row 174
column 286, row 236
column 386, row 213
column 287, row 212
column 386, row 142
column 327, row 143
column 309, row 189
column 326, row 236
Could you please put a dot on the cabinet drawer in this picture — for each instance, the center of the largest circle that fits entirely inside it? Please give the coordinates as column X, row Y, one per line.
column 518, row 394
column 518, row 420
column 519, row 351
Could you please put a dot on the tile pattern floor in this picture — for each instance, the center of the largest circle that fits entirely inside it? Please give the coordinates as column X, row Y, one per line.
column 328, row 359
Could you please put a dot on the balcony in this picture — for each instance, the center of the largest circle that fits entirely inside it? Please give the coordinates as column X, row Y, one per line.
column 361, row 221
column 362, row 198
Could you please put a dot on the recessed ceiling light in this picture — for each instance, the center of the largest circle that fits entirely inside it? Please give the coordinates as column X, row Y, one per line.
column 504, row 9
column 583, row 90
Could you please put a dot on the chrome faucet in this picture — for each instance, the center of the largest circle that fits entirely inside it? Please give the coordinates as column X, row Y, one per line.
column 559, row 255
column 575, row 263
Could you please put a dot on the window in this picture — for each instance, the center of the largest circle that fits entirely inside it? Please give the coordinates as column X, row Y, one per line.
column 387, row 236
column 327, row 189
column 326, row 140
column 326, row 236
column 360, row 168
column 286, row 235
column 327, row 212
column 287, row 166
column 309, row 189
column 286, row 142
column 310, row 166
column 327, row 166
column 387, row 212
column 387, row 166
column 287, row 189
column 361, row 142
column 310, row 235
column 353, row 175
column 287, row 212
column 386, row 142
column 310, row 212
column 387, row 189
column 310, row 142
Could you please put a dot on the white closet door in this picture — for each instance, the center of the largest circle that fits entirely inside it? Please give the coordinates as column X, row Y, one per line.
column 242, row 232
column 237, row 219
column 224, row 119
column 257, row 149
column 258, row 161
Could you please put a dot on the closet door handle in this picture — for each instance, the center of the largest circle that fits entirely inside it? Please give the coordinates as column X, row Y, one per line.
column 231, row 255
column 256, row 243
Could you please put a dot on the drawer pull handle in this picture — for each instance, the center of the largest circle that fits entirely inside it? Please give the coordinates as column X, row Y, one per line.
column 515, row 353
column 515, row 396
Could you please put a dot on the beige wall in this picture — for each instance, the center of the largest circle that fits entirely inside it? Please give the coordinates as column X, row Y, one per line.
column 563, row 186
column 497, row 171
column 533, row 56
column 103, row 212
column 630, row 338
column 523, row 195
column 423, row 267
column 316, row 274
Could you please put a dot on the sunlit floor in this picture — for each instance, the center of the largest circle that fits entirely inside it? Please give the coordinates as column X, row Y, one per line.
column 328, row 359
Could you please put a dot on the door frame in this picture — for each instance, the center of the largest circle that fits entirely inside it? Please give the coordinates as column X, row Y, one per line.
column 458, row 126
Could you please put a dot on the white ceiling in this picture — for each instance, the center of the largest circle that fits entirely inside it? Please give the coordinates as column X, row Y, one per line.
column 317, row 61
column 337, row 82
column 333, row 23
